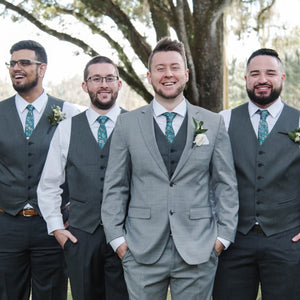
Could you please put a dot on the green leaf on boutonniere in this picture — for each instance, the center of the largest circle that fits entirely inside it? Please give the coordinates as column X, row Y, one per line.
column 198, row 128
column 295, row 135
column 56, row 115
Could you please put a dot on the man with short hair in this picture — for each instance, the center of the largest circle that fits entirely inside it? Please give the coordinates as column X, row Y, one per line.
column 28, row 256
column 80, row 149
column 156, row 209
column 267, row 163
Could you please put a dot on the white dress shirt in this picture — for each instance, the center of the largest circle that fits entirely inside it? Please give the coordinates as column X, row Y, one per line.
column 53, row 175
column 161, row 120
column 39, row 106
column 274, row 112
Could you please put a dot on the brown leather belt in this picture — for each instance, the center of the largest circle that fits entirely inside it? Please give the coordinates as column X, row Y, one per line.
column 25, row 212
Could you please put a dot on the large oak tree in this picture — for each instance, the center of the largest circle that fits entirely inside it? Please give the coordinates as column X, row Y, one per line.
column 199, row 24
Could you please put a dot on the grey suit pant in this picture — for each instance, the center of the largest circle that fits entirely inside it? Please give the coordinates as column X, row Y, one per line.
column 187, row 282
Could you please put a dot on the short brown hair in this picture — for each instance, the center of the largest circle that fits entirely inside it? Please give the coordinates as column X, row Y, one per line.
column 98, row 60
column 166, row 44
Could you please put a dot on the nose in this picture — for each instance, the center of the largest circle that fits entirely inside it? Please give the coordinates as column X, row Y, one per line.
column 103, row 82
column 168, row 72
column 262, row 78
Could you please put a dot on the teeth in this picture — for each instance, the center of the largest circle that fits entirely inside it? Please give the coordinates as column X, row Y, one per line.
column 168, row 83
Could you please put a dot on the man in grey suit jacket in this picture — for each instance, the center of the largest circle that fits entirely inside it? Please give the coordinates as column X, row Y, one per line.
column 28, row 256
column 79, row 150
column 156, row 210
column 267, row 164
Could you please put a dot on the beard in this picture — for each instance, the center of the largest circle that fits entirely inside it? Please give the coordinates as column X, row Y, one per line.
column 99, row 104
column 262, row 99
column 160, row 92
column 24, row 88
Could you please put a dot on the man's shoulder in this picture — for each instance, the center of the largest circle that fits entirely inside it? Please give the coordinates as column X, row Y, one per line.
column 289, row 108
column 133, row 113
column 6, row 103
column 203, row 112
column 7, row 100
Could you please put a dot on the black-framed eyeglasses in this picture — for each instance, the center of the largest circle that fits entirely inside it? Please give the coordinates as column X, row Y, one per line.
column 22, row 63
column 96, row 79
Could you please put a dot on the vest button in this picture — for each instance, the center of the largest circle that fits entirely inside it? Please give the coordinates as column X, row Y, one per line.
column 260, row 177
column 261, row 152
column 102, row 178
column 260, row 165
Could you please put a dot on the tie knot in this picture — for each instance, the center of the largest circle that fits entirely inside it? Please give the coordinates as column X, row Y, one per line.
column 30, row 107
column 263, row 114
column 102, row 119
column 170, row 116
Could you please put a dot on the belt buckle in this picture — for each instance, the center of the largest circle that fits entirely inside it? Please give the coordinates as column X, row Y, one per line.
column 25, row 215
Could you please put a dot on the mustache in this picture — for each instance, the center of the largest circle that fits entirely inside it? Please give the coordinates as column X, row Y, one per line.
column 19, row 73
column 107, row 90
column 262, row 85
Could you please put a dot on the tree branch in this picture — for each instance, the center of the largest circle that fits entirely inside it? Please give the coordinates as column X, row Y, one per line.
column 60, row 35
column 129, row 75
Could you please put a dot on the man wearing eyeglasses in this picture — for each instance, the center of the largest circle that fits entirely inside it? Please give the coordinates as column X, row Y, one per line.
column 80, row 149
column 30, row 260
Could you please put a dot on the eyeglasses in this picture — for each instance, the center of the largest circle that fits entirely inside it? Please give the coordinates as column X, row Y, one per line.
column 97, row 79
column 22, row 63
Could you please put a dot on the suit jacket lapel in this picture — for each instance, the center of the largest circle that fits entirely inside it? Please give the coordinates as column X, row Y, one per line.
column 147, row 128
column 188, row 149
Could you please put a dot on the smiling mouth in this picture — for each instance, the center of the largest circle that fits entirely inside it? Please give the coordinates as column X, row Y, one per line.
column 168, row 83
column 18, row 76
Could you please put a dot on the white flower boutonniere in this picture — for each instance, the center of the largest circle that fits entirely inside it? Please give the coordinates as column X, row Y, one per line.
column 199, row 136
column 56, row 115
column 295, row 135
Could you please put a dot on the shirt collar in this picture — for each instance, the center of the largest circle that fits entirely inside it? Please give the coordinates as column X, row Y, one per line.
column 39, row 103
column 180, row 109
column 112, row 114
column 273, row 109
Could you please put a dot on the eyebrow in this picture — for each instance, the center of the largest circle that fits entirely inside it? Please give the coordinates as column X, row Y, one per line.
column 267, row 70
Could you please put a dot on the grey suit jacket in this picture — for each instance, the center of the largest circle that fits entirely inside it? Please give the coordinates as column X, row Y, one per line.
column 143, row 204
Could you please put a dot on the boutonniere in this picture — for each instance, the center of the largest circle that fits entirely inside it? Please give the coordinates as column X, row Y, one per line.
column 56, row 115
column 295, row 135
column 199, row 136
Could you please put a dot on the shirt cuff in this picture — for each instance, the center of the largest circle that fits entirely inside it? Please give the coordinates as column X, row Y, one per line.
column 226, row 243
column 54, row 223
column 116, row 243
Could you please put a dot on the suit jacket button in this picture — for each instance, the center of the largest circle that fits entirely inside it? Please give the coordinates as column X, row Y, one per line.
column 171, row 212
column 171, row 184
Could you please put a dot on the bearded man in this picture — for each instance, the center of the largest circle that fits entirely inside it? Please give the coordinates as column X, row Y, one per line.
column 80, row 149
column 267, row 163
column 31, row 262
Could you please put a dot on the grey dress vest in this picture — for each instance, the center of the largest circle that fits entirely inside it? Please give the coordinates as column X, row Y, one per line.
column 171, row 153
column 268, row 175
column 22, row 160
column 85, row 170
